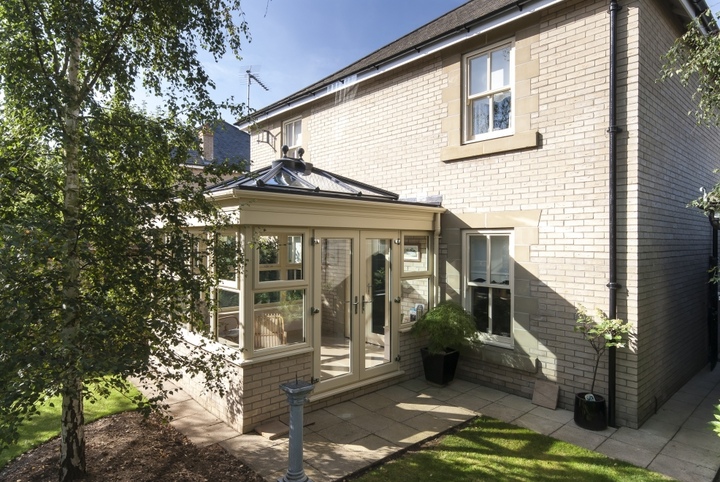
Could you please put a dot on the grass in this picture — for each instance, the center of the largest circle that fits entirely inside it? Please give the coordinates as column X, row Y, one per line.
column 46, row 425
column 488, row 449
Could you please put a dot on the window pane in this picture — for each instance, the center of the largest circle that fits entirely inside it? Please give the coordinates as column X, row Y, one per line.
column 298, row 134
column 501, row 312
column 414, row 300
column 480, row 308
column 268, row 248
column 228, row 328
column 415, row 257
column 478, row 259
column 501, row 111
column 226, row 256
column 270, row 275
column 478, row 74
column 278, row 318
column 480, row 116
column 294, row 249
column 293, row 133
column 500, row 259
column 500, row 74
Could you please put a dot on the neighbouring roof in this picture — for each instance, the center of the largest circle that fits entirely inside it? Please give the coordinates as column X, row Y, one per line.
column 296, row 176
column 460, row 22
column 229, row 144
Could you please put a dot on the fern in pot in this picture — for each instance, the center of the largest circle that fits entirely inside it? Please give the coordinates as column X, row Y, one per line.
column 447, row 328
column 602, row 333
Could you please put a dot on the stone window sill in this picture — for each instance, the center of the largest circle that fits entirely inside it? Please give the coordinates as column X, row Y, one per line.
column 515, row 142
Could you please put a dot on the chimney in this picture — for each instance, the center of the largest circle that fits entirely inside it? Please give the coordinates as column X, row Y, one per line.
column 207, row 141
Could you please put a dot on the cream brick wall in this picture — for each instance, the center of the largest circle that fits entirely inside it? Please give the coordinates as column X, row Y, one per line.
column 395, row 130
column 674, row 157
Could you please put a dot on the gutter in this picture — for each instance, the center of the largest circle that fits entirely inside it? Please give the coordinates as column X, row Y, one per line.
column 470, row 30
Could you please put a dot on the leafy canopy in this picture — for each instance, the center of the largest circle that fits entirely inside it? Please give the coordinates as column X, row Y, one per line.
column 694, row 59
column 99, row 273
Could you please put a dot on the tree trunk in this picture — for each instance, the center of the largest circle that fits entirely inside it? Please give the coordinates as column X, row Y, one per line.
column 72, row 452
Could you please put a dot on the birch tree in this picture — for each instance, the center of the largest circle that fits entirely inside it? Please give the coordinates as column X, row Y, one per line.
column 98, row 271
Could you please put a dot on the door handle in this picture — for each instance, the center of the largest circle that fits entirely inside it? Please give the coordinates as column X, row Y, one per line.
column 356, row 304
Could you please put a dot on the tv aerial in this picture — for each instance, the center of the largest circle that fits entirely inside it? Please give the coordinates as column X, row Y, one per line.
column 250, row 76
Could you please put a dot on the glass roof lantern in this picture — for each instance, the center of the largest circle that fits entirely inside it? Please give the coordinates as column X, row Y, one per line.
column 295, row 175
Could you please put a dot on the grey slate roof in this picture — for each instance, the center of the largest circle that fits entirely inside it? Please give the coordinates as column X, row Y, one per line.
column 229, row 144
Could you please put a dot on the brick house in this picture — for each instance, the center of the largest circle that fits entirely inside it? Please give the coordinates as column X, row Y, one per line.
column 503, row 110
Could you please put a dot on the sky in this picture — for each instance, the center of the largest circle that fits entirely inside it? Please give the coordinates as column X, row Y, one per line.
column 295, row 43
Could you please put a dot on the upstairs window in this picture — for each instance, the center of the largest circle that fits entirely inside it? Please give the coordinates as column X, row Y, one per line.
column 292, row 136
column 489, row 93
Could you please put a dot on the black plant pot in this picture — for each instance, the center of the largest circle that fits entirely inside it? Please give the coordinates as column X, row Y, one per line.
column 440, row 368
column 590, row 414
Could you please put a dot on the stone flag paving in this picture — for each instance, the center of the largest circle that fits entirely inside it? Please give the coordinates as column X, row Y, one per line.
column 344, row 438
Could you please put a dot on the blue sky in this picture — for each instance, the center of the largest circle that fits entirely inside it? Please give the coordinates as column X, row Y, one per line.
column 298, row 42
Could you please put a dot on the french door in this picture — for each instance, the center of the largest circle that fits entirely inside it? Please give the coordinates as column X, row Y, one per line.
column 352, row 320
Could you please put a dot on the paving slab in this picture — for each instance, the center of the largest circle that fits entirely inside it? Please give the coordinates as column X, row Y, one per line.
column 348, row 410
column 640, row 438
column 562, row 416
column 702, row 439
column 398, row 413
column 501, row 412
column 487, row 393
column 538, row 424
column 319, row 420
column 374, row 401
column 469, row 401
column 452, row 413
column 373, row 448
column 704, row 457
column 427, row 422
column 627, row 452
column 397, row 393
column 578, row 436
column 660, row 428
column 441, row 394
column 337, row 464
column 343, row 433
column 518, row 403
column 403, row 435
column 371, row 421
column 681, row 470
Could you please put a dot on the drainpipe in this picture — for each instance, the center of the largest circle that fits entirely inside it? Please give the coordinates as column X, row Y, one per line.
column 612, row 131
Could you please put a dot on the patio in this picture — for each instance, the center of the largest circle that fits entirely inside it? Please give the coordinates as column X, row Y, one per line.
column 342, row 439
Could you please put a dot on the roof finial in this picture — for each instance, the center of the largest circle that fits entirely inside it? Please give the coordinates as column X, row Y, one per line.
column 285, row 150
column 300, row 152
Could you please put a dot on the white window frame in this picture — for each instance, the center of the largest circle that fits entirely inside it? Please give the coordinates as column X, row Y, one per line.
column 468, row 99
column 281, row 285
column 227, row 282
column 468, row 285
column 409, row 312
column 290, row 133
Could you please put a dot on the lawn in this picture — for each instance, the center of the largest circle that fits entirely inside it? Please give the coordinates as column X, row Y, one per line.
column 46, row 425
column 488, row 449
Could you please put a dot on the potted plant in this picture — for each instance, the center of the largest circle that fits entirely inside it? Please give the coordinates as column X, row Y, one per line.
column 602, row 333
column 447, row 327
